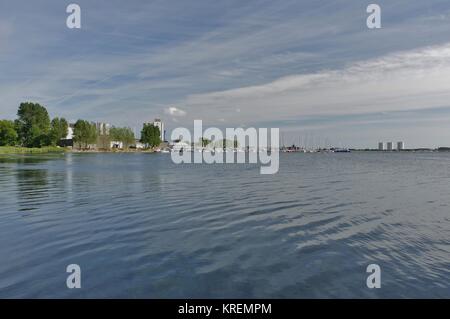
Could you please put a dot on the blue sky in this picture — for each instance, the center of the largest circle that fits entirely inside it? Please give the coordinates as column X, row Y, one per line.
column 312, row 68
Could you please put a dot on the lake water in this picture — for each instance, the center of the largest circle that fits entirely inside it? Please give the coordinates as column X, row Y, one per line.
column 140, row 226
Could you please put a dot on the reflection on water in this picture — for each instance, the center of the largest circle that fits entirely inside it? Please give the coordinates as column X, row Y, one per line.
column 27, row 159
column 141, row 226
column 31, row 181
column 32, row 188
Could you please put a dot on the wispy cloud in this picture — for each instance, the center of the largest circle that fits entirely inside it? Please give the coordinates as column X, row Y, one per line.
column 399, row 81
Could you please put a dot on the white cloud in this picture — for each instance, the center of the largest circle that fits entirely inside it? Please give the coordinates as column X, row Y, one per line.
column 405, row 80
column 173, row 111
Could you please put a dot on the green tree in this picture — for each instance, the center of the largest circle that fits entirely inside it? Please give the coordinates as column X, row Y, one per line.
column 8, row 134
column 84, row 133
column 103, row 138
column 103, row 141
column 124, row 135
column 150, row 135
column 128, row 137
column 204, row 142
column 58, row 130
column 33, row 125
column 224, row 143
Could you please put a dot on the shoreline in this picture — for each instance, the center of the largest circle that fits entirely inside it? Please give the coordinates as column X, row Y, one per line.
column 18, row 150
column 110, row 151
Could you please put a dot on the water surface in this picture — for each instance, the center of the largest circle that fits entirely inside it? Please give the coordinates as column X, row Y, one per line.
column 140, row 226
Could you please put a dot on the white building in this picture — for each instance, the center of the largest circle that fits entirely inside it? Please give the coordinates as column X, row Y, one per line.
column 381, row 146
column 400, row 146
column 70, row 132
column 116, row 145
column 160, row 124
column 67, row 141
column 103, row 128
column 390, row 146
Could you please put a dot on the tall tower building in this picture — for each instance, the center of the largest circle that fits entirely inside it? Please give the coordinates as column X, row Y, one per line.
column 390, row 146
column 400, row 146
column 160, row 124
column 381, row 146
column 103, row 128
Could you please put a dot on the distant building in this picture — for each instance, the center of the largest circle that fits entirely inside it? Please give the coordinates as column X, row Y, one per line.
column 381, row 146
column 70, row 131
column 116, row 145
column 68, row 140
column 400, row 146
column 390, row 146
column 103, row 128
column 160, row 124
column 138, row 145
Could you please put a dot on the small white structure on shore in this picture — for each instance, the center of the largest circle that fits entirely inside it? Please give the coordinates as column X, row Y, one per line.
column 67, row 141
column 116, row 145
column 178, row 146
column 139, row 145
column 70, row 128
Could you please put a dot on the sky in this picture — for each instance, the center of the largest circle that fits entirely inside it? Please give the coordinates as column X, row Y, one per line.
column 311, row 68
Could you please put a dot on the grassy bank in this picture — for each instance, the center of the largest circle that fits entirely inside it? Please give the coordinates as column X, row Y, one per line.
column 25, row 150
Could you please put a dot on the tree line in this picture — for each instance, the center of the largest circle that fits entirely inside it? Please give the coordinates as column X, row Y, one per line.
column 33, row 128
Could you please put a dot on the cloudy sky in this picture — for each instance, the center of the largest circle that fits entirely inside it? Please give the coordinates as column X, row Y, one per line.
column 311, row 68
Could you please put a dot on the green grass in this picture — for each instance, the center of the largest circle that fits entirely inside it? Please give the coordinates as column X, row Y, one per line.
column 25, row 150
